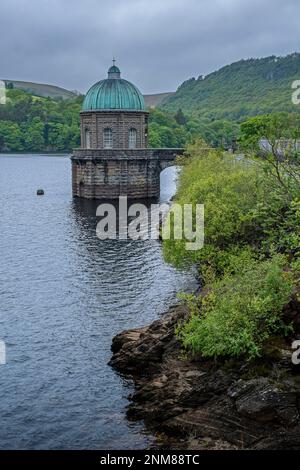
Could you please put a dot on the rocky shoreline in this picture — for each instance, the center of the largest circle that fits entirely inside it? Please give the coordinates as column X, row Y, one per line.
column 207, row 404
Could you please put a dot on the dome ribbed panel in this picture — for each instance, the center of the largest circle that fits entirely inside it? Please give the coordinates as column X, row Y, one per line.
column 113, row 94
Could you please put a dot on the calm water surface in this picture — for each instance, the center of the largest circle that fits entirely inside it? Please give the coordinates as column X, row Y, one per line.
column 63, row 295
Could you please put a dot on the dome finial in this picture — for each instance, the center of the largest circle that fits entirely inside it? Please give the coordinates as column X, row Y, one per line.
column 114, row 71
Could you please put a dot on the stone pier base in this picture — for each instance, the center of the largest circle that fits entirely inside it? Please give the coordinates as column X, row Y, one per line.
column 108, row 174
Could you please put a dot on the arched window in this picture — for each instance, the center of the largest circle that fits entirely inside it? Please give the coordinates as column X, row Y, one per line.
column 132, row 138
column 81, row 189
column 107, row 138
column 87, row 139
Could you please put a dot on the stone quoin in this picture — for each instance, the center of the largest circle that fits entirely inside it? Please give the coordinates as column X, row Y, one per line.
column 114, row 159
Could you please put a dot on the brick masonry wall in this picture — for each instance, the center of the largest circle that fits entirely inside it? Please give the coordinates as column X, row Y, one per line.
column 120, row 123
column 109, row 179
column 99, row 173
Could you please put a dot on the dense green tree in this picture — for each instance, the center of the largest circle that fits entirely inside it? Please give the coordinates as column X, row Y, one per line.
column 11, row 136
column 220, row 133
column 34, row 135
column 275, row 139
column 239, row 90
column 31, row 123
column 180, row 117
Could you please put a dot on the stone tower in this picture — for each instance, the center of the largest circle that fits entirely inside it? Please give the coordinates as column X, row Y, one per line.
column 113, row 159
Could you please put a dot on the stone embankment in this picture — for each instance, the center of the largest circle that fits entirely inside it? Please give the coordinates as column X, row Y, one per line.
column 206, row 404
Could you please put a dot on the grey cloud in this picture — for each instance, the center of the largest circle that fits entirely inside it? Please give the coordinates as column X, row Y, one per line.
column 158, row 43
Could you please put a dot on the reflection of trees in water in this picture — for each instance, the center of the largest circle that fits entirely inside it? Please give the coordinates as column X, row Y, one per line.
column 85, row 210
column 126, row 264
column 119, row 262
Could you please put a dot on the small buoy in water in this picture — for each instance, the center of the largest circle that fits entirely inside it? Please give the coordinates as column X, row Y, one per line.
column 40, row 192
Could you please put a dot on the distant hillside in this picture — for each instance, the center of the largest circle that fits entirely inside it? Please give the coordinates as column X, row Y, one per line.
column 242, row 89
column 56, row 92
column 40, row 89
column 152, row 101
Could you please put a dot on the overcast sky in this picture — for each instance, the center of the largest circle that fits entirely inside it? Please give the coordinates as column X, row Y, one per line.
column 157, row 43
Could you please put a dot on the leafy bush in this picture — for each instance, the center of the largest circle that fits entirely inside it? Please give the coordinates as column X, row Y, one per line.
column 278, row 212
column 229, row 189
column 244, row 206
column 240, row 311
column 273, row 140
column 251, row 249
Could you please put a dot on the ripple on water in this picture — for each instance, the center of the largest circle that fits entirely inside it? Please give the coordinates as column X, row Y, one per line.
column 64, row 295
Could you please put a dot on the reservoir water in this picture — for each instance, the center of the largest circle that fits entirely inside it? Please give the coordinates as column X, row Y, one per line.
column 63, row 295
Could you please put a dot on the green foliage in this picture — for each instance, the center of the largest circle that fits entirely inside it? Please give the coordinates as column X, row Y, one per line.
column 241, row 311
column 278, row 213
column 275, row 140
column 244, row 88
column 29, row 123
column 164, row 131
column 34, row 135
column 180, row 118
column 11, row 136
column 168, row 130
column 250, row 259
column 229, row 189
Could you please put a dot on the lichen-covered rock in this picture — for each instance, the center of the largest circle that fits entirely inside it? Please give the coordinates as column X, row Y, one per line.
column 201, row 403
column 260, row 399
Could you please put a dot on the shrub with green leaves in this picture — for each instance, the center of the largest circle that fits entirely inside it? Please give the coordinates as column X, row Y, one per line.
column 240, row 311
column 251, row 249
column 229, row 189
column 244, row 207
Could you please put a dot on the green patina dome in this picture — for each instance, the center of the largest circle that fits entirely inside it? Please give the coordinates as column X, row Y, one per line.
column 114, row 93
column 114, row 69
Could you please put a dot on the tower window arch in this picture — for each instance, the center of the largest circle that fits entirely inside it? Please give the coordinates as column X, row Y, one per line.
column 132, row 138
column 87, row 139
column 107, row 138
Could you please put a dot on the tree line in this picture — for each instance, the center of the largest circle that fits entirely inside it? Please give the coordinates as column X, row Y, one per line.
column 30, row 123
